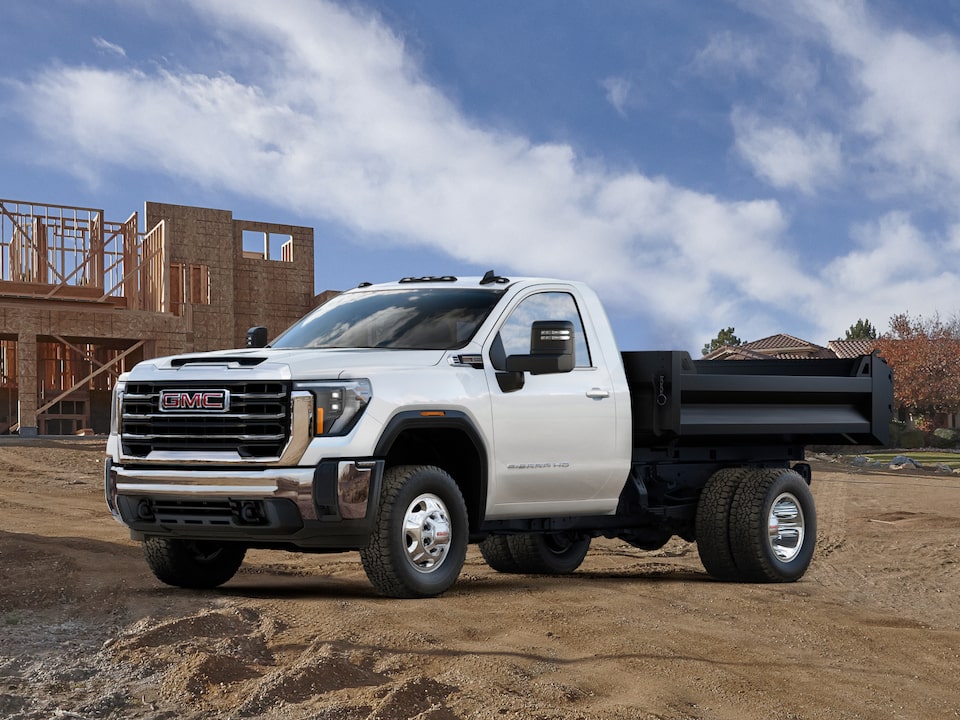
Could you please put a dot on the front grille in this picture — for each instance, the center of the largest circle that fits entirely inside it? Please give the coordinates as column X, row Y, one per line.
column 256, row 424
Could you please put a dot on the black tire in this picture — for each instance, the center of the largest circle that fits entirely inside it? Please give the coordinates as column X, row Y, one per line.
column 496, row 551
column 419, row 542
column 195, row 564
column 548, row 553
column 713, row 523
column 773, row 526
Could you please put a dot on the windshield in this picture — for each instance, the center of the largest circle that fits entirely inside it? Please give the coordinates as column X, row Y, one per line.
column 416, row 319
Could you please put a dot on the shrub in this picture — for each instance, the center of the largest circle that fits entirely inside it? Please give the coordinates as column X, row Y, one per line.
column 897, row 429
column 944, row 438
column 912, row 439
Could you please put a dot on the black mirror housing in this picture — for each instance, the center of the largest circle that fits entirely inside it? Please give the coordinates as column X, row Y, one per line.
column 552, row 349
column 257, row 337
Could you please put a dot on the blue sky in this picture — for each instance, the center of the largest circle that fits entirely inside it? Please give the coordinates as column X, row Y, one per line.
column 771, row 165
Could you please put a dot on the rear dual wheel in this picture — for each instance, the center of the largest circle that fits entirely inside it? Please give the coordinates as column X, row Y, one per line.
column 557, row 553
column 756, row 525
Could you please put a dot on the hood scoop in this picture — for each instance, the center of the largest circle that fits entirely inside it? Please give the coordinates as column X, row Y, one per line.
column 236, row 360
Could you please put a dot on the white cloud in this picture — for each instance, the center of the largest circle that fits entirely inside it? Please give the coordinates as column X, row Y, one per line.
column 783, row 156
column 953, row 238
column 906, row 98
column 727, row 53
column 618, row 92
column 890, row 251
column 110, row 47
column 895, row 268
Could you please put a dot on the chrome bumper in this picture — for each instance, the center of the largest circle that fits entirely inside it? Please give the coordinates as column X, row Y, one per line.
column 353, row 485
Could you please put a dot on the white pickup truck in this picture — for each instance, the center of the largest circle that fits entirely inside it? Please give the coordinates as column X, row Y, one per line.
column 406, row 420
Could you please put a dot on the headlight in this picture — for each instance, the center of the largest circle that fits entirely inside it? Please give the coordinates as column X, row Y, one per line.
column 116, row 407
column 337, row 405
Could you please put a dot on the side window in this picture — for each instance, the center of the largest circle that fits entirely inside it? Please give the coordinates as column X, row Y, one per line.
column 514, row 336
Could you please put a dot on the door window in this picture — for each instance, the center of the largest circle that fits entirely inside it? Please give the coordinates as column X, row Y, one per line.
column 514, row 336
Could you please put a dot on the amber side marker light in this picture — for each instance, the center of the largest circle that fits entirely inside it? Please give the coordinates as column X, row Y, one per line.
column 432, row 413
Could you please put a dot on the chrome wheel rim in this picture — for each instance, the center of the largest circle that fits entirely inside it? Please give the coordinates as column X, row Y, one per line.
column 785, row 527
column 427, row 533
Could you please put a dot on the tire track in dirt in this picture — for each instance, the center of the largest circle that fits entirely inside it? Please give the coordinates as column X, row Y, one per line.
column 871, row 572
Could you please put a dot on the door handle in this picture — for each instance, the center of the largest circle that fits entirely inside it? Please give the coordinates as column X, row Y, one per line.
column 598, row 393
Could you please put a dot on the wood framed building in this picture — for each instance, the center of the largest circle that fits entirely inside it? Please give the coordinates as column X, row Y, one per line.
column 83, row 298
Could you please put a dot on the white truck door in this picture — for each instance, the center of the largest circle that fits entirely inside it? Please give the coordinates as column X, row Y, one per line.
column 554, row 439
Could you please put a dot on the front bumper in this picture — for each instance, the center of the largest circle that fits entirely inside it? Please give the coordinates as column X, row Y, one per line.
column 324, row 507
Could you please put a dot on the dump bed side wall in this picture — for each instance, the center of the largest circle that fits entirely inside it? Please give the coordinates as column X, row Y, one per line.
column 676, row 400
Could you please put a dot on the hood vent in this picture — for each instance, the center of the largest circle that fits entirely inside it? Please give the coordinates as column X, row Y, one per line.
column 239, row 360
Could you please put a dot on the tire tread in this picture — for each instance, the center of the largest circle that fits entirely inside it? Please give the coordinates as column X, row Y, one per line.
column 713, row 523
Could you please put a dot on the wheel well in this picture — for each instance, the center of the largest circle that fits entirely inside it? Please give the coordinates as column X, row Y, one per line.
column 451, row 449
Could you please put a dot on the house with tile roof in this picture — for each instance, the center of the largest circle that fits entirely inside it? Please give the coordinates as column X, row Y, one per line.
column 775, row 347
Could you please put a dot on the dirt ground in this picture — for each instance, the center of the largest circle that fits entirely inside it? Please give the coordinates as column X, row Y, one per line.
column 872, row 630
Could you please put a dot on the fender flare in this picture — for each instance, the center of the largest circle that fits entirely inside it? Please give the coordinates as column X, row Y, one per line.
column 442, row 419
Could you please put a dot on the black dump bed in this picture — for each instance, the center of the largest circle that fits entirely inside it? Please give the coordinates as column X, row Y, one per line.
column 680, row 401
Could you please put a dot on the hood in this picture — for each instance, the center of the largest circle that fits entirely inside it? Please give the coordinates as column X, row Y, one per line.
column 284, row 364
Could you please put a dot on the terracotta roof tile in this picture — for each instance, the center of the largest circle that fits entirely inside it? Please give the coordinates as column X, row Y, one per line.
column 779, row 342
column 852, row 348
column 735, row 352
column 788, row 347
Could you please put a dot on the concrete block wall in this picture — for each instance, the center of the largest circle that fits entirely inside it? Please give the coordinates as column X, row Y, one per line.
column 244, row 291
column 272, row 293
column 202, row 236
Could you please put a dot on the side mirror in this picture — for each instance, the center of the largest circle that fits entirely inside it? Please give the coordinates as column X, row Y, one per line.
column 257, row 337
column 551, row 349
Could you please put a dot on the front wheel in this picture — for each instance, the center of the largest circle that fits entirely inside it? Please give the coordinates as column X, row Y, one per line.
column 196, row 564
column 419, row 541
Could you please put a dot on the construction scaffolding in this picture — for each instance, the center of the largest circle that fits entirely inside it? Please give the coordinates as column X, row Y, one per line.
column 82, row 299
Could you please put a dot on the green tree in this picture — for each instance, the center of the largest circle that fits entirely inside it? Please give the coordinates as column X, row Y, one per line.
column 862, row 330
column 724, row 337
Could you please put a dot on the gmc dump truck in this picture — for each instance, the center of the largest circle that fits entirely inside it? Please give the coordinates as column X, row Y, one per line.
column 409, row 419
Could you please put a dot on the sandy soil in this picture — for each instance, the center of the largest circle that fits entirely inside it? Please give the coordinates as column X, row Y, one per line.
column 872, row 631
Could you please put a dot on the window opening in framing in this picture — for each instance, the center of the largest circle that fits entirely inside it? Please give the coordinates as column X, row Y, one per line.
column 75, row 377
column 267, row 246
column 9, row 395
column 8, row 363
column 61, row 366
column 188, row 284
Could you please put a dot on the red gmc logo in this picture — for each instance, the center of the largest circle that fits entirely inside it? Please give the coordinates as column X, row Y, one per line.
column 194, row 400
